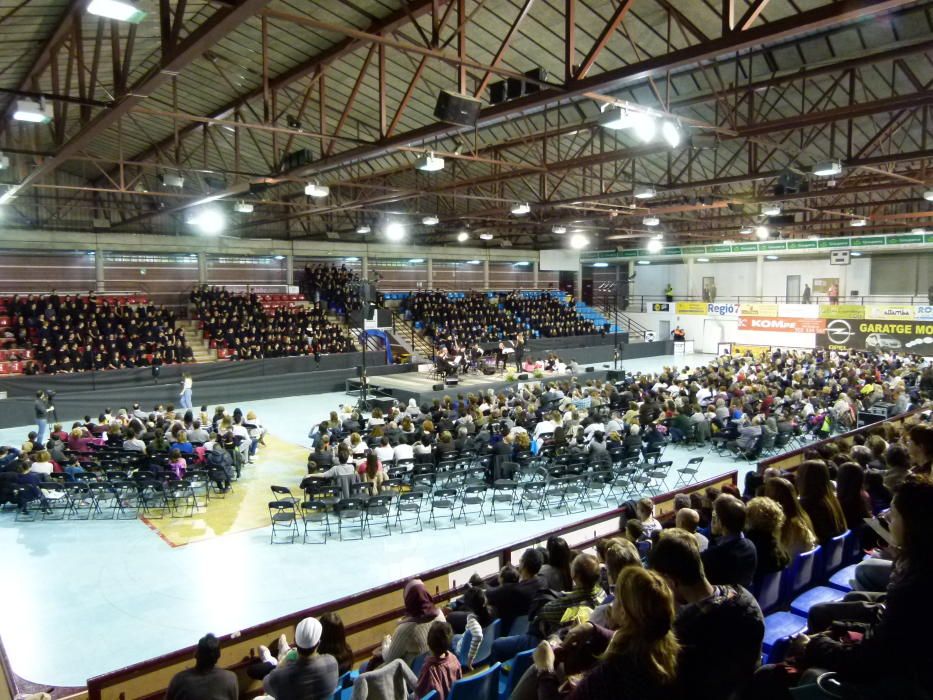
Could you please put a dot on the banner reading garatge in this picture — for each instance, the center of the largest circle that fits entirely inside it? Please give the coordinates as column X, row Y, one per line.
column 878, row 336
column 783, row 325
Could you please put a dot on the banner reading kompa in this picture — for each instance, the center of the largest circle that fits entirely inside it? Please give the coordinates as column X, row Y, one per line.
column 879, row 336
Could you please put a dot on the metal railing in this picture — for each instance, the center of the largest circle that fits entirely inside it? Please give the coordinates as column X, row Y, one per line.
column 622, row 320
column 404, row 328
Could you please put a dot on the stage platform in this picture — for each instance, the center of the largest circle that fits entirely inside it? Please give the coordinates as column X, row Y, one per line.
column 420, row 385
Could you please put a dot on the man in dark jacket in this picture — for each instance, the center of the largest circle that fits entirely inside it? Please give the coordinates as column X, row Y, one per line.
column 730, row 558
column 205, row 681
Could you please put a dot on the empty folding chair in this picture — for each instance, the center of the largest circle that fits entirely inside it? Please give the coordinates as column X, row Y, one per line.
column 503, row 499
column 443, row 500
column 315, row 519
column 83, row 502
column 596, row 487
column 154, row 501
column 181, row 498
column 575, row 493
column 198, row 480
column 657, row 477
column 689, row 473
column 128, row 499
column 105, row 496
column 408, row 510
column 284, row 521
column 473, row 502
column 532, row 499
column 555, row 496
column 283, row 493
column 378, row 509
column 350, row 513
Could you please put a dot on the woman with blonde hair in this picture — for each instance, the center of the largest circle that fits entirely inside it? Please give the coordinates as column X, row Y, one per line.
column 797, row 534
column 641, row 659
column 764, row 519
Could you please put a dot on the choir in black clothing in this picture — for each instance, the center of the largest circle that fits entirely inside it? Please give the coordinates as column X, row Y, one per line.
column 336, row 286
column 239, row 322
column 75, row 334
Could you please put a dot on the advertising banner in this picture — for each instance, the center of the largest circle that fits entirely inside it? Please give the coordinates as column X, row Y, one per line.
column 769, row 310
column 878, row 336
column 784, row 325
column 754, row 350
column 893, row 312
column 691, row 308
column 661, row 306
column 924, row 312
column 842, row 311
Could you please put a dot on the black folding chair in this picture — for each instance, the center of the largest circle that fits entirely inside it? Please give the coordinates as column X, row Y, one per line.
column 284, row 520
column 314, row 517
column 378, row 509
column 503, row 499
column 688, row 474
column 351, row 511
column 410, row 505
column 443, row 500
column 473, row 502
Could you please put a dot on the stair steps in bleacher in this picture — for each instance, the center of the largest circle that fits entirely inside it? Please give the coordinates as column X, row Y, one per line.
column 195, row 337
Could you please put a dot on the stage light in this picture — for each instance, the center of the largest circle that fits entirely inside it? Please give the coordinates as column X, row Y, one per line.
column 671, row 133
column 430, row 221
column 578, row 240
column 600, row 264
column 771, row 210
column 858, row 223
column 430, row 163
column 243, row 208
column 29, row 111
column 617, row 118
column 651, row 221
column 210, row 221
column 116, row 9
column 928, row 195
column 363, row 229
column 463, row 236
column 559, row 230
column 702, row 259
column 352, row 259
column 827, row 169
column 395, row 231
column 645, row 192
column 762, row 233
column 645, row 127
column 312, row 189
column 485, row 236
column 655, row 246
column 521, row 209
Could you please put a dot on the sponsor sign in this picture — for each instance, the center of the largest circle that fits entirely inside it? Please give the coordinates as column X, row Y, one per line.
column 877, row 335
column 760, row 310
column 889, row 311
column 661, row 306
column 842, row 311
column 702, row 308
column 755, row 350
column 783, row 325
column 924, row 312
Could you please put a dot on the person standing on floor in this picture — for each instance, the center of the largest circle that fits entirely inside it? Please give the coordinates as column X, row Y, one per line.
column 43, row 408
column 185, row 395
column 519, row 351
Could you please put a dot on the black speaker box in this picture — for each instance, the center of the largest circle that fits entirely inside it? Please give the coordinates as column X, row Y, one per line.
column 457, row 109
column 514, row 87
column 488, row 371
column 538, row 74
column 497, row 92
column 451, row 381
column 437, row 387
column 523, row 376
column 589, row 369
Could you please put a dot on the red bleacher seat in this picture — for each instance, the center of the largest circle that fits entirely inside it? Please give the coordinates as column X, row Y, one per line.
column 4, row 321
column 16, row 367
column 4, row 367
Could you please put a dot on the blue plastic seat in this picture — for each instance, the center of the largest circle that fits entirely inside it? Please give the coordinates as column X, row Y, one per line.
column 833, row 555
column 814, row 596
column 801, row 574
column 520, row 663
column 417, row 663
column 490, row 634
column 480, row 686
column 779, row 628
column 768, row 591
column 840, row 579
column 519, row 626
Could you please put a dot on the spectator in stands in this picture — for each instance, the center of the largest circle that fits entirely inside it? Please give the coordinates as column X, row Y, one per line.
column 513, row 596
column 441, row 667
column 370, row 470
column 853, row 498
column 311, row 676
column 620, row 554
column 763, row 522
column 644, row 511
column 818, row 499
column 689, row 520
column 42, row 464
column 334, row 642
column 797, row 535
column 177, row 463
column 641, row 659
column 410, row 638
column 897, row 465
column 919, row 443
column 205, row 681
column 730, row 558
column 477, row 618
column 586, row 592
column 720, row 628
column 556, row 570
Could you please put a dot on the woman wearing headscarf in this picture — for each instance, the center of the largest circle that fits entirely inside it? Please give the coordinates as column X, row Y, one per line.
column 410, row 638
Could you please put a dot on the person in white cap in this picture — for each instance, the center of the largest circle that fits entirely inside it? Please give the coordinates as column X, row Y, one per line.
column 311, row 676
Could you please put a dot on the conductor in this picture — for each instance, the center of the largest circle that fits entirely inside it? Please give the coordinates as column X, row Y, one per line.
column 519, row 351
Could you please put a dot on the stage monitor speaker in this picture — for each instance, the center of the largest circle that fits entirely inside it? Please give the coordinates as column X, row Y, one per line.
column 523, row 376
column 589, row 369
column 437, row 387
column 156, row 371
column 457, row 109
column 451, row 381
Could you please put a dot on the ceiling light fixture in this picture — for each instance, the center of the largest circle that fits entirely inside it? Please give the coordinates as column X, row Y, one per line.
column 746, row 231
column 4, row 161
column 485, row 236
column 472, row 262
column 702, row 259
column 430, row 221
column 395, row 231
column 522, row 263
column 559, row 230
column 771, row 257
column 858, row 223
column 617, row 118
column 928, row 195
column 827, row 169
column 644, row 262
column 645, row 192
column 416, row 260
column 521, row 209
column 116, row 9
column 243, row 208
column 651, row 221
column 655, row 246
column 352, row 259
column 430, row 163
column 463, row 236
column 29, row 111
column 278, row 257
column 856, row 254
column 813, row 237
column 762, row 233
column 600, row 264
column 771, row 210
column 671, row 133
column 578, row 240
column 210, row 220
column 363, row 229
column 645, row 127
column 312, row 189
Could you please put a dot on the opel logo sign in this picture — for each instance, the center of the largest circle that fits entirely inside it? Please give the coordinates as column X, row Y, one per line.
column 839, row 331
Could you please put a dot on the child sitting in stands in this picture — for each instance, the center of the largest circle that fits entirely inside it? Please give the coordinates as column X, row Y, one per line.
column 177, row 463
column 441, row 668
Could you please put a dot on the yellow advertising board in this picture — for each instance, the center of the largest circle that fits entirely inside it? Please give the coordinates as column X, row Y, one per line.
column 765, row 310
column 890, row 312
column 691, row 308
column 849, row 311
column 755, row 350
